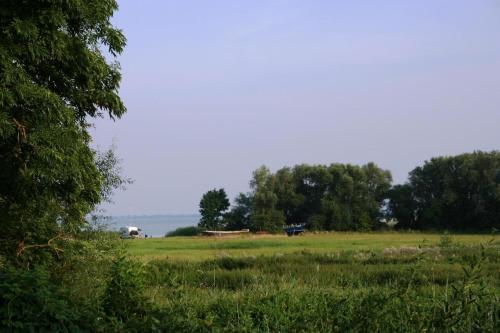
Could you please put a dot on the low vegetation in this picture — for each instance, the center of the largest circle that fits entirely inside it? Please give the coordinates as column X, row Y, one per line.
column 184, row 231
column 336, row 282
column 432, row 286
column 202, row 248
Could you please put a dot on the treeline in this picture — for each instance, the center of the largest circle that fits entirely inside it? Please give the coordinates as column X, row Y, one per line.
column 456, row 192
column 334, row 197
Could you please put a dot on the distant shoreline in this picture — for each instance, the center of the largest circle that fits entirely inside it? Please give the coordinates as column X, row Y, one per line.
column 153, row 225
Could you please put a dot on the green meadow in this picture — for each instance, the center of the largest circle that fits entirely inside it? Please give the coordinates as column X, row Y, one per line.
column 328, row 282
column 202, row 248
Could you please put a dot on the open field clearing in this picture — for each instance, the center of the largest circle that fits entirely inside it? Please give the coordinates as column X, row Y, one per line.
column 202, row 248
column 337, row 282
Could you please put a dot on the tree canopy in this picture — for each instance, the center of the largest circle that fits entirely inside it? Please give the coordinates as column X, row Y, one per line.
column 212, row 206
column 55, row 77
column 338, row 196
column 239, row 216
column 457, row 192
column 452, row 192
column 323, row 197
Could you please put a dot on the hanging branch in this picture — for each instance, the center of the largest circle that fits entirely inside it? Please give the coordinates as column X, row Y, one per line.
column 50, row 244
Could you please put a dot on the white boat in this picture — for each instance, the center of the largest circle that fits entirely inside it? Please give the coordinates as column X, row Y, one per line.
column 225, row 233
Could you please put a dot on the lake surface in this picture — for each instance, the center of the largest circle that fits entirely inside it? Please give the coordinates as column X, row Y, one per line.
column 153, row 225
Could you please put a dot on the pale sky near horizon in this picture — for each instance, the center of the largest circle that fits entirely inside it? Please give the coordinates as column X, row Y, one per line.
column 214, row 89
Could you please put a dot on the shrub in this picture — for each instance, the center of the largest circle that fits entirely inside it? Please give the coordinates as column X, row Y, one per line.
column 124, row 302
column 185, row 231
column 31, row 301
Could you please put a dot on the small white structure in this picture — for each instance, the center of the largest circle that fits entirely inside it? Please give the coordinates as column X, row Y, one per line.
column 130, row 232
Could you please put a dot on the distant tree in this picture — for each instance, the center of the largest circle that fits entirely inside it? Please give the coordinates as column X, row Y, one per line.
column 265, row 216
column 458, row 192
column 239, row 216
column 290, row 201
column 362, row 195
column 213, row 204
column 378, row 181
column 402, row 206
column 334, row 197
column 312, row 183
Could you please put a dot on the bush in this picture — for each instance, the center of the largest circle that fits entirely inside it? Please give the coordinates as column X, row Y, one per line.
column 31, row 301
column 124, row 304
column 185, row 231
column 88, row 289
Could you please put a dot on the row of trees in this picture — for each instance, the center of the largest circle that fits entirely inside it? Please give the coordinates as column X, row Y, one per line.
column 458, row 192
column 334, row 197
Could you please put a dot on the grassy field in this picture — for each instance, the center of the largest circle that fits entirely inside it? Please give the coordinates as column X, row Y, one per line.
column 335, row 282
column 202, row 248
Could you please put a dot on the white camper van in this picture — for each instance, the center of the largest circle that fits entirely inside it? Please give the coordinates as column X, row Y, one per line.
column 130, row 232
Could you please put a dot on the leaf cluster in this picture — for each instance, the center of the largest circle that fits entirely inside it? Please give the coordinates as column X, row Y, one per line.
column 54, row 77
column 324, row 197
column 459, row 192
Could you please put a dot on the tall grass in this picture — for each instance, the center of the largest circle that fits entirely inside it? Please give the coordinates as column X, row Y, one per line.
column 448, row 288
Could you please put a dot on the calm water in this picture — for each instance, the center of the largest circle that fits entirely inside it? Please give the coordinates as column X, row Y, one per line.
column 154, row 225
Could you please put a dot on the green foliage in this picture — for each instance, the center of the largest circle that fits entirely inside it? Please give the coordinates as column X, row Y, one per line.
column 53, row 80
column 202, row 248
column 57, row 73
column 59, row 296
column 31, row 301
column 92, row 289
column 184, row 231
column 289, row 200
column 213, row 204
column 334, row 197
column 405, row 289
column 264, row 214
column 402, row 206
column 423, row 290
column 239, row 216
column 124, row 303
column 446, row 240
column 456, row 193
column 109, row 167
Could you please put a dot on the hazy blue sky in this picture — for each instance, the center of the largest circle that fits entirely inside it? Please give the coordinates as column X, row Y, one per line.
column 214, row 89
